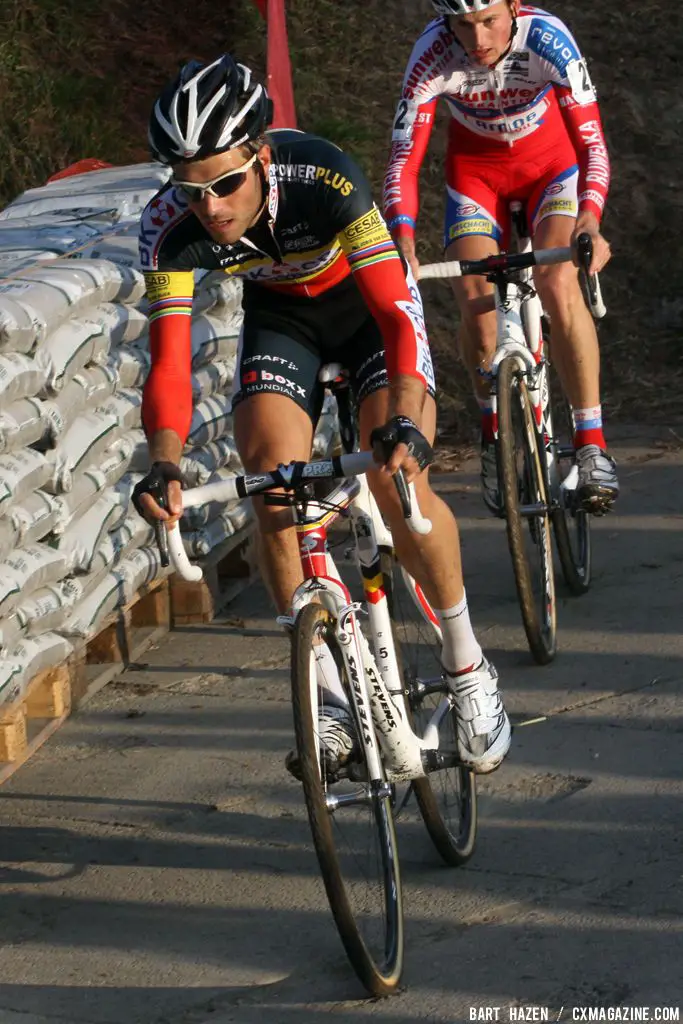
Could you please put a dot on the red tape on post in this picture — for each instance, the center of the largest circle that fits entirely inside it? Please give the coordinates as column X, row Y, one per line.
column 279, row 65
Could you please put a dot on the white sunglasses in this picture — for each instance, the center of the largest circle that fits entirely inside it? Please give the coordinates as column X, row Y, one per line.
column 224, row 185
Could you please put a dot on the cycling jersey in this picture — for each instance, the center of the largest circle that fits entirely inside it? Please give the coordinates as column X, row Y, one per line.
column 536, row 104
column 319, row 227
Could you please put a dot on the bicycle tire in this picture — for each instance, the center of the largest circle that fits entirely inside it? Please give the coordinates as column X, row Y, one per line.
column 571, row 526
column 454, row 841
column 517, row 438
column 379, row 973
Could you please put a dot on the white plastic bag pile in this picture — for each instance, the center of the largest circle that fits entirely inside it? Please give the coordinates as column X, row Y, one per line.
column 73, row 360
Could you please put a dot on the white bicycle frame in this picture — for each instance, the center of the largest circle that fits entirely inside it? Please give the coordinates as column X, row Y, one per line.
column 393, row 751
column 519, row 334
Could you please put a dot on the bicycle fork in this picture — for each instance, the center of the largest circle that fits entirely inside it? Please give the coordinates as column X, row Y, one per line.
column 404, row 752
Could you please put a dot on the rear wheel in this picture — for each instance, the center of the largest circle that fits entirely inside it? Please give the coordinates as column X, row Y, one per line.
column 570, row 524
column 447, row 799
column 351, row 822
column 527, row 512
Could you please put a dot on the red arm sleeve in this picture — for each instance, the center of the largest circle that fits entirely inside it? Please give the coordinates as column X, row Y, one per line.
column 412, row 129
column 585, row 130
column 397, row 308
column 167, row 395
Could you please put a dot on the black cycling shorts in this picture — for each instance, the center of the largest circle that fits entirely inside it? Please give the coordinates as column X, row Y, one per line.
column 286, row 339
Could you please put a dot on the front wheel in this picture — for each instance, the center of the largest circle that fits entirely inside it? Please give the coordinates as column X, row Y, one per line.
column 354, row 838
column 527, row 511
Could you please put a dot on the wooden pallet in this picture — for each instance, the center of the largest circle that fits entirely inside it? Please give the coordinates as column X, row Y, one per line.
column 25, row 724
column 228, row 569
column 124, row 636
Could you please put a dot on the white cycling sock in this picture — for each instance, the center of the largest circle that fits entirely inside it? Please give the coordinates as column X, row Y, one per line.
column 461, row 651
column 328, row 678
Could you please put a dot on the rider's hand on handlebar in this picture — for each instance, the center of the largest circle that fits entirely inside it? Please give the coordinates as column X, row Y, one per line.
column 587, row 223
column 399, row 444
column 161, row 487
column 406, row 246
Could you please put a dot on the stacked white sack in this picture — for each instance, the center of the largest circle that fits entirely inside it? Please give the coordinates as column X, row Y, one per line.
column 73, row 359
column 67, row 320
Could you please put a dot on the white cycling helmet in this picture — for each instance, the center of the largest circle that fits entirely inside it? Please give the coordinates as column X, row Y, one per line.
column 207, row 109
column 458, row 7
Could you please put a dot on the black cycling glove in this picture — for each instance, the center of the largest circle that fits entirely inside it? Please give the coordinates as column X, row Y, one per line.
column 156, row 483
column 401, row 430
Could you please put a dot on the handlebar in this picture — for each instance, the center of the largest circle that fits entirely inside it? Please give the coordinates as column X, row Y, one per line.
column 288, row 477
column 498, row 263
column 503, row 262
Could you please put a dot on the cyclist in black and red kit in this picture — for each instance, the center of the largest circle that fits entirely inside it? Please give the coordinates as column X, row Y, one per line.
column 293, row 217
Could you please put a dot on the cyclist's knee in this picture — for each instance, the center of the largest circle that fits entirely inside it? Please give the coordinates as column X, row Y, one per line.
column 558, row 288
column 261, row 442
column 271, row 519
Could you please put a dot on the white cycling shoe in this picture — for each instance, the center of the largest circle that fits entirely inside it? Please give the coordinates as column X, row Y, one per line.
column 597, row 488
column 483, row 727
column 337, row 737
column 337, row 740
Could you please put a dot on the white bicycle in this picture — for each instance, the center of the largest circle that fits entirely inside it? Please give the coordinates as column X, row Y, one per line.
column 535, row 457
column 393, row 681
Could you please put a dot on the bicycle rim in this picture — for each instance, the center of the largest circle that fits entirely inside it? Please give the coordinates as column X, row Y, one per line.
column 355, row 844
column 523, row 486
column 447, row 799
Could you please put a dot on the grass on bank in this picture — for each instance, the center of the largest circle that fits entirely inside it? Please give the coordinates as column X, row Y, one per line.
column 78, row 79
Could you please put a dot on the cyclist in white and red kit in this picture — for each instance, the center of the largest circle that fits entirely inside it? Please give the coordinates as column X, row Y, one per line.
column 525, row 126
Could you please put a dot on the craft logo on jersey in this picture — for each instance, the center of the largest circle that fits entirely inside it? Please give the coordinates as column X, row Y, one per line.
column 160, row 212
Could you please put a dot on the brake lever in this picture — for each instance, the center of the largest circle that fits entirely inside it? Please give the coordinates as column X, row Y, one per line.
column 160, row 534
column 591, row 282
column 403, row 494
column 411, row 512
